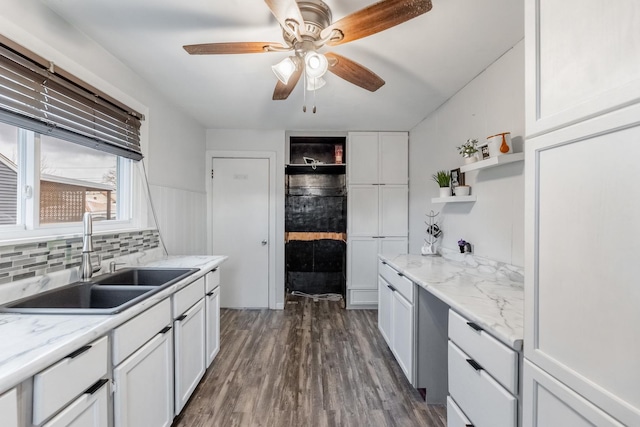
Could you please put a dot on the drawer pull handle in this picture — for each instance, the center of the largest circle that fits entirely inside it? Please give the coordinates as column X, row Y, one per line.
column 400, row 274
column 474, row 326
column 474, row 364
column 165, row 330
column 181, row 318
column 469, row 425
column 384, row 263
column 392, row 288
column 78, row 352
column 210, row 293
column 97, row 386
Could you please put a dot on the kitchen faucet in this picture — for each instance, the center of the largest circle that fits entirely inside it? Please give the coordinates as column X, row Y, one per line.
column 86, row 267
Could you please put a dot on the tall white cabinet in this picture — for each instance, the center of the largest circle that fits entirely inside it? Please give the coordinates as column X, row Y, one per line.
column 582, row 204
column 377, row 208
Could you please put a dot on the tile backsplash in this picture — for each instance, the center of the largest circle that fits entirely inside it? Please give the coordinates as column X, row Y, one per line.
column 32, row 259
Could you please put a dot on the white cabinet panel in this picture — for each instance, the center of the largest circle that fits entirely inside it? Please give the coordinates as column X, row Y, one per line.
column 394, row 245
column 362, row 158
column 212, row 307
column 89, row 410
column 394, row 158
column 189, row 353
column 485, row 402
column 402, row 333
column 59, row 384
column 188, row 296
column 547, row 402
column 394, row 208
column 363, row 210
column 9, row 408
column 362, row 270
column 582, row 75
column 455, row 416
column 144, row 385
column 385, row 301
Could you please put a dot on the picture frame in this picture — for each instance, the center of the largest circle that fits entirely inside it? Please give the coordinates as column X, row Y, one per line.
column 457, row 178
column 484, row 152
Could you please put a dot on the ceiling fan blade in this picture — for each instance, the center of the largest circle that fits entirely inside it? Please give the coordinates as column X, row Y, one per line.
column 282, row 90
column 353, row 72
column 286, row 11
column 375, row 18
column 234, row 47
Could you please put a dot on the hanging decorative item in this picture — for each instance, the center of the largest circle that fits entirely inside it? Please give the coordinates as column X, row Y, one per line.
column 433, row 233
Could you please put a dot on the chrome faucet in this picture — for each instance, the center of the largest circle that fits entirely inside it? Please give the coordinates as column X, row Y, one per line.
column 86, row 267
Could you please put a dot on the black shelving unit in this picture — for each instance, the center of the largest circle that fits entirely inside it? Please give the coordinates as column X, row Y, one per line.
column 316, row 204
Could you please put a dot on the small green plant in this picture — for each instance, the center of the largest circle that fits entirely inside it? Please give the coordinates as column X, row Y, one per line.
column 443, row 178
column 469, row 148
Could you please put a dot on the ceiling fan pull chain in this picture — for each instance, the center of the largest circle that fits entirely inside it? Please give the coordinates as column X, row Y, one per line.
column 304, row 94
column 314, row 100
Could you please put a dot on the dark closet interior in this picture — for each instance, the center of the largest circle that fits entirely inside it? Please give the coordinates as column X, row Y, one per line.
column 316, row 216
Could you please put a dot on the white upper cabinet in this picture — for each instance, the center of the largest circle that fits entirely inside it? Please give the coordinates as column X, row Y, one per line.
column 363, row 210
column 378, row 158
column 579, row 66
column 393, row 217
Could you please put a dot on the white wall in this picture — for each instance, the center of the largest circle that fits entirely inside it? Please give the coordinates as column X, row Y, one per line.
column 173, row 143
column 260, row 140
column 491, row 103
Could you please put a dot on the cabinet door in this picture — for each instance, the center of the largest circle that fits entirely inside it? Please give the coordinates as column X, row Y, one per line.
column 189, row 352
column 394, row 206
column 394, row 158
column 9, row 408
column 362, row 263
column 144, row 385
column 362, row 210
column 362, row 158
column 402, row 333
column 385, row 295
column 212, row 306
column 547, row 402
column 394, row 245
column 89, row 410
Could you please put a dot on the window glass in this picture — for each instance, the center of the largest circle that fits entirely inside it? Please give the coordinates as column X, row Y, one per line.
column 8, row 175
column 74, row 180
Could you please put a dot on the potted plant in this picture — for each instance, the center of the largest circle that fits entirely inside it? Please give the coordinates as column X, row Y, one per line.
column 469, row 150
column 443, row 178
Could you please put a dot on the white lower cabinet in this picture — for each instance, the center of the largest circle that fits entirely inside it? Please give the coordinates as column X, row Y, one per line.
column 548, row 402
column 58, row 385
column 396, row 319
column 89, row 410
column 9, row 408
column 144, row 385
column 189, row 353
column 483, row 377
column 212, row 307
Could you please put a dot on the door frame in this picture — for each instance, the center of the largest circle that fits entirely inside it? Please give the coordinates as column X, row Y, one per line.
column 271, row 156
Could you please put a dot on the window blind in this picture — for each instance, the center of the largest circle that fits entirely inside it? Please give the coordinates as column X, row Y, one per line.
column 38, row 99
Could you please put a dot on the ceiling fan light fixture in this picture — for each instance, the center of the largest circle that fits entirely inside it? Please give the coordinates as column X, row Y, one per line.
column 316, row 65
column 285, row 69
column 315, row 83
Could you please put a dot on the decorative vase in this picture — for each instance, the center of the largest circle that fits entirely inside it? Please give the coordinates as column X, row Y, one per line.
column 470, row 159
column 445, row 192
column 461, row 190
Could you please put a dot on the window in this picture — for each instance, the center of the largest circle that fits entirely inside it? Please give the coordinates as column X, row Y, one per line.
column 65, row 181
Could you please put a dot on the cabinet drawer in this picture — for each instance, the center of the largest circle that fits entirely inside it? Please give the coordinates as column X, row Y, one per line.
column 187, row 297
column 397, row 280
column 496, row 358
column 132, row 335
column 485, row 402
column 455, row 416
column 90, row 409
column 212, row 280
column 9, row 408
column 57, row 385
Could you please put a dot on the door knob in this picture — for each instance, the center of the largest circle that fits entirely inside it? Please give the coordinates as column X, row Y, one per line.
column 264, row 242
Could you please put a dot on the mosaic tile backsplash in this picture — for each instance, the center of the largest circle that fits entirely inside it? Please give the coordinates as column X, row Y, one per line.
column 38, row 258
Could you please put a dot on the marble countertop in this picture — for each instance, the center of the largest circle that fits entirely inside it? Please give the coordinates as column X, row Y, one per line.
column 32, row 342
column 486, row 292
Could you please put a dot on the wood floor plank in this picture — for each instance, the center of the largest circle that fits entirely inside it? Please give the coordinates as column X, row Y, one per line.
column 312, row 364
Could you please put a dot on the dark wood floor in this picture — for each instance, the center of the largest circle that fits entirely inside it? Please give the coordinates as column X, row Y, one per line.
column 313, row 364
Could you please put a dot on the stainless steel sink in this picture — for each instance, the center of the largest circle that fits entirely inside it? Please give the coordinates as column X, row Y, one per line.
column 106, row 294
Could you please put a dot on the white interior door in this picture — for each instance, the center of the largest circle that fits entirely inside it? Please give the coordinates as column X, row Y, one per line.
column 240, row 215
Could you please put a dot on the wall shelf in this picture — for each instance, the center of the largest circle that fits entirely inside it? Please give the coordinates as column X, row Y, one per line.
column 320, row 168
column 453, row 199
column 493, row 161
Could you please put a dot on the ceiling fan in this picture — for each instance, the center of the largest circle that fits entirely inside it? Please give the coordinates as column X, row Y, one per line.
column 307, row 27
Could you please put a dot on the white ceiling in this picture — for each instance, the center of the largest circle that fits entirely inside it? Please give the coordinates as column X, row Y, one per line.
column 423, row 61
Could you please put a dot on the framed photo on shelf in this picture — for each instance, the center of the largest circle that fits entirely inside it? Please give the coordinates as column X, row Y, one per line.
column 457, row 177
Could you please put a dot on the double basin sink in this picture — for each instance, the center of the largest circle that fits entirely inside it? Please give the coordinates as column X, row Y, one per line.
column 106, row 294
